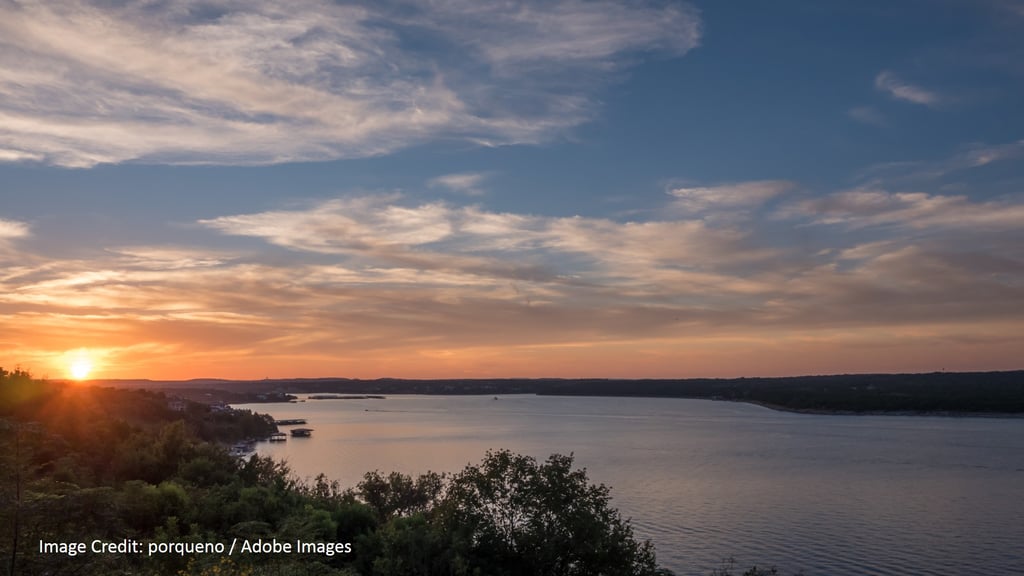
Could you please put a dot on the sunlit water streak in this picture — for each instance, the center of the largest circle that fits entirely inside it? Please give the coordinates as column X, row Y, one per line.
column 829, row 495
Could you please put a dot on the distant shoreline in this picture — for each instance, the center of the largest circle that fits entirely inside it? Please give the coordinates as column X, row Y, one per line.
column 966, row 394
column 822, row 412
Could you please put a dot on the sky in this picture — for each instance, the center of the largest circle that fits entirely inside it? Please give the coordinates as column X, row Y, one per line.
column 471, row 189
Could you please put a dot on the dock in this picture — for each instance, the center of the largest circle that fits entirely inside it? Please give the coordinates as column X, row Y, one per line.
column 242, row 449
column 292, row 422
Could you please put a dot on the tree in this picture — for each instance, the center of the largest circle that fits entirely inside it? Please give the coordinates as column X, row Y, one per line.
column 398, row 494
column 508, row 516
column 514, row 516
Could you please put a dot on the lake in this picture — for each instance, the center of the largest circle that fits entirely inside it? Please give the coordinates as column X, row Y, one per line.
column 704, row 480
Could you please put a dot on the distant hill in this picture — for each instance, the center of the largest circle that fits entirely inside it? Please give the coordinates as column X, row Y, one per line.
column 992, row 393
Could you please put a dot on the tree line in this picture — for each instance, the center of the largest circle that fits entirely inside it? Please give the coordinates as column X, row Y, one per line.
column 994, row 393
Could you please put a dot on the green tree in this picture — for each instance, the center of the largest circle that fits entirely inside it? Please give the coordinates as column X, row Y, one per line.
column 411, row 546
column 398, row 494
column 514, row 516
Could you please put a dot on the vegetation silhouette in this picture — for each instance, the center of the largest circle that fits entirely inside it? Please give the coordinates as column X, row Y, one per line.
column 952, row 393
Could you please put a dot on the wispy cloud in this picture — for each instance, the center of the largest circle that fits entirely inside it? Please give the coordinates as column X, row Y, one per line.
column 18, row 156
column 899, row 89
column 861, row 208
column 533, row 33
column 253, row 83
column 381, row 230
column 469, row 183
column 978, row 155
column 927, row 172
column 170, row 258
column 866, row 115
column 739, row 195
column 12, row 229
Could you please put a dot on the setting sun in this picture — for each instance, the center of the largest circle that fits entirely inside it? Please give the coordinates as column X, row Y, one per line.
column 80, row 368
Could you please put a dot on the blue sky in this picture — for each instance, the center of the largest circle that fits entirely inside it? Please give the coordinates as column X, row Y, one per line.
column 456, row 188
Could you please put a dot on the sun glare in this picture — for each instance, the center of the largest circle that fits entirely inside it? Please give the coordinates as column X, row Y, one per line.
column 80, row 368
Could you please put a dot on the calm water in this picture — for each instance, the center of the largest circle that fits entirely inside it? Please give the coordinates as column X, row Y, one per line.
column 829, row 495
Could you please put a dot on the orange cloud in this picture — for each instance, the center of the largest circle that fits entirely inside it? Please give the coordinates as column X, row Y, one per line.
column 375, row 287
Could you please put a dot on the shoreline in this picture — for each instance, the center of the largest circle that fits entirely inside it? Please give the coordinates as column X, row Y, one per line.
column 766, row 405
column 828, row 412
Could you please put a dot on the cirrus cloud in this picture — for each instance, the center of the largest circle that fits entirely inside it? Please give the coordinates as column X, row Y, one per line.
column 865, row 207
column 899, row 89
column 184, row 81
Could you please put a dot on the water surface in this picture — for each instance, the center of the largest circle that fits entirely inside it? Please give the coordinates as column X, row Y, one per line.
column 829, row 495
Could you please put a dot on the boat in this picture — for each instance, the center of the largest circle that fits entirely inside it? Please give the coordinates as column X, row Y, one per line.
column 302, row 432
column 278, row 437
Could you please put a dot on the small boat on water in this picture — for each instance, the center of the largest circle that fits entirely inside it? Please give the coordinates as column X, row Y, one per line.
column 302, row 432
column 278, row 437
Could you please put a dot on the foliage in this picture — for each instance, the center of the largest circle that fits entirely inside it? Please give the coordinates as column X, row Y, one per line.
column 528, row 518
column 510, row 515
column 399, row 495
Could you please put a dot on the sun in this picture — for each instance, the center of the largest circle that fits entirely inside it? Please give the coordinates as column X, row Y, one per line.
column 80, row 368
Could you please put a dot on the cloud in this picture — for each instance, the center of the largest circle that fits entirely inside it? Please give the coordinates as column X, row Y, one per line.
column 169, row 257
column 866, row 115
column 517, row 34
column 468, row 183
column 729, row 196
column 344, row 225
column 889, row 83
column 384, row 285
column 189, row 82
column 382, row 230
column 900, row 282
column 10, row 229
column 18, row 156
column 956, row 168
column 978, row 155
column 860, row 208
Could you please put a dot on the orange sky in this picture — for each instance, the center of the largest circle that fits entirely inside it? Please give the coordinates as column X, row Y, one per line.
column 374, row 288
column 924, row 349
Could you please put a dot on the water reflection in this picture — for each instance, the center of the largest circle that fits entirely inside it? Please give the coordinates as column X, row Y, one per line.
column 830, row 495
